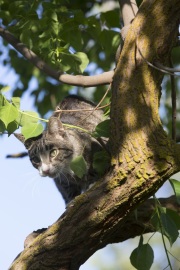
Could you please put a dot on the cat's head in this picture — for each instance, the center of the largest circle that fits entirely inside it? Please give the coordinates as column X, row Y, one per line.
column 52, row 151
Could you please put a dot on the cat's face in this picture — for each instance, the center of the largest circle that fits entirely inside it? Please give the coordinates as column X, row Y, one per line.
column 52, row 151
column 51, row 158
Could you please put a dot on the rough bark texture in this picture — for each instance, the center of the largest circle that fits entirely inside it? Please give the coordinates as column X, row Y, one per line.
column 143, row 157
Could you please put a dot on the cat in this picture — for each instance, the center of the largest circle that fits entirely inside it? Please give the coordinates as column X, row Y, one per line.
column 52, row 151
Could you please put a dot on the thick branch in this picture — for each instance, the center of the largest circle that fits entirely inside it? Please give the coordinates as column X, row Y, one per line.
column 131, row 227
column 76, row 80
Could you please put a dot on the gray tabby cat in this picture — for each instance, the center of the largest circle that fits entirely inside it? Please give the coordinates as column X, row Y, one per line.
column 52, row 152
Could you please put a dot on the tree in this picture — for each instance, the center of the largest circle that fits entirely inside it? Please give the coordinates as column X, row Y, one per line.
column 143, row 157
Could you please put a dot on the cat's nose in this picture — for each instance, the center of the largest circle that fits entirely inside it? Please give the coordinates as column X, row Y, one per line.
column 46, row 171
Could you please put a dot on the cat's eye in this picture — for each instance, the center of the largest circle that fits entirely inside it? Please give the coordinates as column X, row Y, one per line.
column 53, row 153
column 36, row 160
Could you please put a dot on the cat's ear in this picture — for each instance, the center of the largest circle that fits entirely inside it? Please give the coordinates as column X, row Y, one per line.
column 21, row 138
column 55, row 127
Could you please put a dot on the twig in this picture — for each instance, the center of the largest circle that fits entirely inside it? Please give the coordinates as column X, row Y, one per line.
column 156, row 67
column 76, row 80
column 168, row 69
column 86, row 110
column 97, row 106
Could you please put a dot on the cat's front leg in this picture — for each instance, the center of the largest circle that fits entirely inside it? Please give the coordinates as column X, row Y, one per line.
column 68, row 189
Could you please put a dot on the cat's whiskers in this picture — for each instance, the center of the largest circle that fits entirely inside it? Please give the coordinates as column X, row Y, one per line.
column 36, row 185
column 30, row 182
column 65, row 173
column 60, row 174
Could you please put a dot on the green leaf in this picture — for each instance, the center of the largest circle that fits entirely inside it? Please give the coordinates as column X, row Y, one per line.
column 3, row 100
column 8, row 113
column 103, row 129
column 142, row 257
column 16, row 102
column 78, row 166
column 176, row 187
column 82, row 59
column 174, row 217
column 25, row 37
column 27, row 117
column 77, row 62
column 32, row 130
column 169, row 227
column 166, row 222
column 101, row 161
column 12, row 127
column 5, row 89
column 2, row 127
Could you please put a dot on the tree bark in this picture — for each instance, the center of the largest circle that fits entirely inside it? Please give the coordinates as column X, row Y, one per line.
column 143, row 157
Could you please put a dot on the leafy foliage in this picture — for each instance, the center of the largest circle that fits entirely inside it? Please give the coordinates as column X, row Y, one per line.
column 11, row 118
column 66, row 37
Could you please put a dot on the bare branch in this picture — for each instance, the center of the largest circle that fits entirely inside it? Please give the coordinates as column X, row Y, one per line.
column 168, row 69
column 76, row 80
column 128, row 9
column 158, row 66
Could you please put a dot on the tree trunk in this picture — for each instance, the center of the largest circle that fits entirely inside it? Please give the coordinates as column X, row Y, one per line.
column 143, row 157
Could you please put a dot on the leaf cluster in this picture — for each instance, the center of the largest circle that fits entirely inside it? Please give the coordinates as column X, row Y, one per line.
column 11, row 118
column 64, row 36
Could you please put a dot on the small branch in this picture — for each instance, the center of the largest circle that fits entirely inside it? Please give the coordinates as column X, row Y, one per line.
column 129, row 10
column 76, row 80
column 83, row 110
column 158, row 66
column 168, row 69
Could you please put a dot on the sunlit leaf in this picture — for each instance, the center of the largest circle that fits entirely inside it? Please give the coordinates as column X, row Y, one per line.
column 8, row 113
column 27, row 117
column 5, row 89
column 16, row 102
column 32, row 130
column 83, row 60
